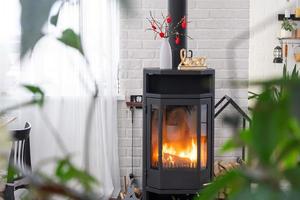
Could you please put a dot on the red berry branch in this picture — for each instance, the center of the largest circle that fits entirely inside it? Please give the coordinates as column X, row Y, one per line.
column 165, row 28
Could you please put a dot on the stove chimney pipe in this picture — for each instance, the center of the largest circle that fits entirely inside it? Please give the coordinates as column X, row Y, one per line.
column 177, row 10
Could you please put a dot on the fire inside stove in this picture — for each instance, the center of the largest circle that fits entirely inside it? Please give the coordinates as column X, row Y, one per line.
column 179, row 138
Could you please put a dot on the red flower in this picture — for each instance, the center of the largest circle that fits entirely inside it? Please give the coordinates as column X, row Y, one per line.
column 184, row 24
column 177, row 40
column 161, row 34
column 169, row 19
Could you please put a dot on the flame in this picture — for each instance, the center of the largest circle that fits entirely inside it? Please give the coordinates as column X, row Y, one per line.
column 176, row 156
column 190, row 152
column 180, row 141
column 184, row 157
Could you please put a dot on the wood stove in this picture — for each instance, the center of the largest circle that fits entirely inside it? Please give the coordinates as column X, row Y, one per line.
column 178, row 132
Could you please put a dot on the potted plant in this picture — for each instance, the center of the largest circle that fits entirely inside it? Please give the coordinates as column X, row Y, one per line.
column 287, row 28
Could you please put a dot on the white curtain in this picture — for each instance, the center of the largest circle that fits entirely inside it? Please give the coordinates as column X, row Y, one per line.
column 67, row 80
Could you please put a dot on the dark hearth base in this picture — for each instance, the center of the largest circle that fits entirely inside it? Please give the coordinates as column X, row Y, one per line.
column 153, row 196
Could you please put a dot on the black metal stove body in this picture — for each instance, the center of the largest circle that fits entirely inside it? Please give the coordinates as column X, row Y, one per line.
column 178, row 131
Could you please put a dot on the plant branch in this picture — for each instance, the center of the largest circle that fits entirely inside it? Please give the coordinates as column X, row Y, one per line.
column 88, row 125
column 156, row 22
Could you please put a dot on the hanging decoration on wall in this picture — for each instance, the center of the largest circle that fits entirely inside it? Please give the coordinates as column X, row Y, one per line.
column 277, row 53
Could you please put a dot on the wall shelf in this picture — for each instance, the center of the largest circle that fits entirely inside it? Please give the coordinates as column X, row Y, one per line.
column 292, row 38
column 289, row 40
column 134, row 104
column 281, row 17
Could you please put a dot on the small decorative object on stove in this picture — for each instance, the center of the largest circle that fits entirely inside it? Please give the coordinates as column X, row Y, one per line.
column 191, row 63
column 277, row 53
column 165, row 55
column 165, row 29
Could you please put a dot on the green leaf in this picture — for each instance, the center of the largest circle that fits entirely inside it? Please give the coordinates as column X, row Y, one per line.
column 295, row 128
column 54, row 19
column 34, row 15
column 229, row 145
column 211, row 191
column 37, row 92
column 70, row 38
column 11, row 174
column 262, row 192
column 284, row 73
column 277, row 93
column 66, row 171
column 270, row 122
column 295, row 73
column 293, row 176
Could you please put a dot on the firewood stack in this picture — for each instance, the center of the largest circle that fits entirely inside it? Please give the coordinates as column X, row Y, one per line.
column 222, row 167
column 131, row 190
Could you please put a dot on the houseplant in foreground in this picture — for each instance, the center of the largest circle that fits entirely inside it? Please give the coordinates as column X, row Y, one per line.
column 272, row 169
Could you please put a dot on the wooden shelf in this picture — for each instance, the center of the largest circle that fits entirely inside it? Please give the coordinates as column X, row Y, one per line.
column 292, row 38
column 281, row 17
column 134, row 104
column 289, row 40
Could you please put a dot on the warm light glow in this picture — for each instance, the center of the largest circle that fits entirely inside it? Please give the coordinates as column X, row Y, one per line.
column 179, row 141
column 186, row 157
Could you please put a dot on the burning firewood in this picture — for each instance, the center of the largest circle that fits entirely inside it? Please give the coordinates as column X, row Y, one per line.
column 173, row 161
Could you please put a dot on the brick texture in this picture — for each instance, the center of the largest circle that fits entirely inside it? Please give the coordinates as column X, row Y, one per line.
column 220, row 31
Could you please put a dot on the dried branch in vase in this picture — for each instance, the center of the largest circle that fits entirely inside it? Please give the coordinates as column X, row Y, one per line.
column 166, row 28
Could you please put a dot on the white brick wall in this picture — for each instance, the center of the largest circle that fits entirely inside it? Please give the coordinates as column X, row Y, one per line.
column 217, row 25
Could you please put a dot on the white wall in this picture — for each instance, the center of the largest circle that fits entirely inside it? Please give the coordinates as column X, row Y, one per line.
column 264, row 28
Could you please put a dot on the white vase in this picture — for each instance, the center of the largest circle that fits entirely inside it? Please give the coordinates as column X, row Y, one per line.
column 165, row 54
column 286, row 34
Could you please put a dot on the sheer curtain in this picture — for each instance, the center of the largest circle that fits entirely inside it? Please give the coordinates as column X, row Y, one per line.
column 68, row 81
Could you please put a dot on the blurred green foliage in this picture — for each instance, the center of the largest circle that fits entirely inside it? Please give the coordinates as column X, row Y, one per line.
column 66, row 172
column 34, row 15
column 71, row 39
column 272, row 169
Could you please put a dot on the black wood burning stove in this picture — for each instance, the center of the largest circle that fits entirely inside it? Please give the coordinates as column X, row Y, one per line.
column 178, row 132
